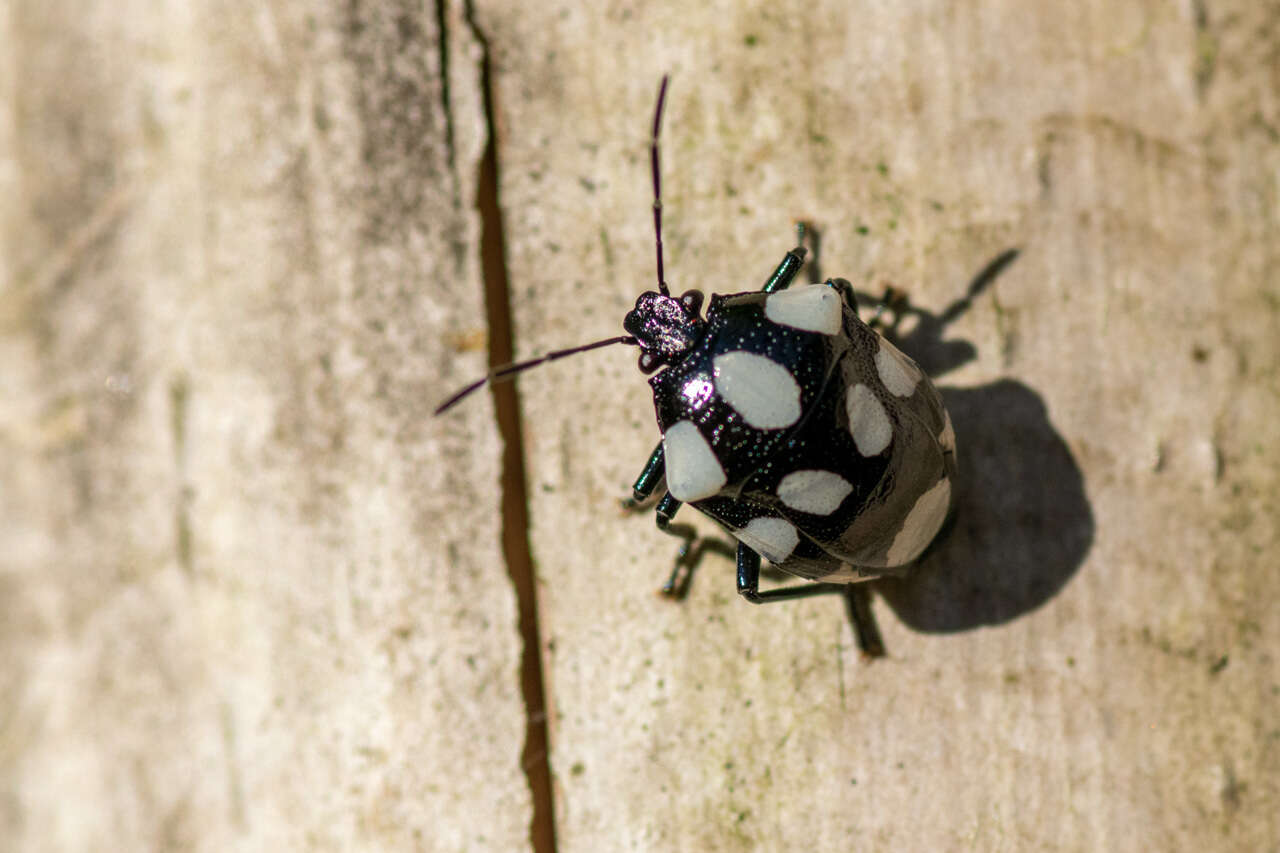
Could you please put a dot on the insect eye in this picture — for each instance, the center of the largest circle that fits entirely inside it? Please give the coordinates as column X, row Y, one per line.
column 691, row 301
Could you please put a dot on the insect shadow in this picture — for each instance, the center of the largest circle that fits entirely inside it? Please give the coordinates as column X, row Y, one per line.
column 1022, row 524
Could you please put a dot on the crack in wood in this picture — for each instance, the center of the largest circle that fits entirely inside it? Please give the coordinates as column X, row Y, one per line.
column 534, row 759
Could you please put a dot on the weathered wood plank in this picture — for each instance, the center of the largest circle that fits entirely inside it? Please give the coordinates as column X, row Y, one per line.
column 253, row 594
column 1087, row 662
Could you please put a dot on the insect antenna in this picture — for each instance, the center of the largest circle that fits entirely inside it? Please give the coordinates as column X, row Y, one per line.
column 657, row 180
column 507, row 372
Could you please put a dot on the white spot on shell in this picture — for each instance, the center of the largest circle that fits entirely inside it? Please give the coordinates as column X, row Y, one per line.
column 921, row 524
column 813, row 308
column 898, row 373
column 868, row 421
column 772, row 538
column 947, row 438
column 758, row 388
column 816, row 492
column 693, row 471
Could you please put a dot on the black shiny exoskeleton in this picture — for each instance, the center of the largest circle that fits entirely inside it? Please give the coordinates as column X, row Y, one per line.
column 789, row 421
column 885, row 506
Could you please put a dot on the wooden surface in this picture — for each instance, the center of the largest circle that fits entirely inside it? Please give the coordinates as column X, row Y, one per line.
column 252, row 595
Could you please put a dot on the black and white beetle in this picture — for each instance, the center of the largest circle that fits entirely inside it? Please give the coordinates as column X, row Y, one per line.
column 789, row 421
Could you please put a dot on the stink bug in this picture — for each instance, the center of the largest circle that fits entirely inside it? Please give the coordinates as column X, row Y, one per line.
column 789, row 421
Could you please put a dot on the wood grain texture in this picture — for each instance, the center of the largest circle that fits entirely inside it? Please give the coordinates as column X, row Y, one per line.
column 246, row 604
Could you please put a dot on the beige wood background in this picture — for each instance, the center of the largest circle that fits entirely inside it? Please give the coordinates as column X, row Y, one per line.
column 253, row 596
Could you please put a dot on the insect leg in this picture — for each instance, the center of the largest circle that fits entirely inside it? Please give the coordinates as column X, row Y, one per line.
column 857, row 599
column 749, row 582
column 786, row 271
column 645, row 485
column 654, row 470
column 687, row 557
column 845, row 289
column 807, row 234
column 692, row 547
